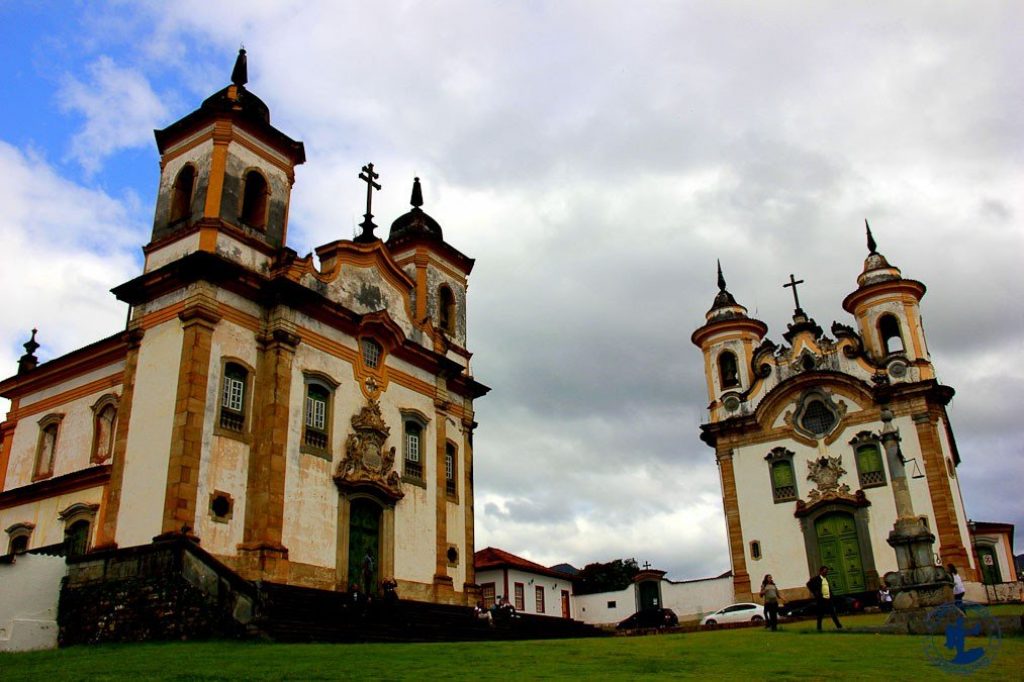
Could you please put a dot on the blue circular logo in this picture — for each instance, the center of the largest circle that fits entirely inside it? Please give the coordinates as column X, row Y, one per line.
column 961, row 639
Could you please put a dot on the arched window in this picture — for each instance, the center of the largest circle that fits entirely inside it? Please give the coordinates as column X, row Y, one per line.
column 728, row 372
column 76, row 538
column 450, row 470
column 104, row 425
column 446, row 309
column 889, row 330
column 254, row 200
column 46, row 447
column 234, row 396
column 413, row 450
column 181, row 194
column 372, row 352
column 19, row 535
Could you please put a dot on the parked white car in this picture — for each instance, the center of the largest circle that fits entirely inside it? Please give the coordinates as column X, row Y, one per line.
column 734, row 613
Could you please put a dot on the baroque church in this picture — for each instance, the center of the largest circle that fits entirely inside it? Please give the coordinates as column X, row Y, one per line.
column 307, row 424
column 797, row 433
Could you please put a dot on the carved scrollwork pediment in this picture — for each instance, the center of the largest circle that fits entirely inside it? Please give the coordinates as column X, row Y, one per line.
column 825, row 472
column 369, row 466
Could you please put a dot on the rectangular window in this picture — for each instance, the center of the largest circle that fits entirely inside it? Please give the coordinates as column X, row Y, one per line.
column 539, row 597
column 413, row 445
column 611, row 605
column 371, row 353
column 316, row 413
column 487, row 592
column 316, row 433
column 869, row 466
column 520, row 597
column 449, row 469
column 783, row 484
column 234, row 392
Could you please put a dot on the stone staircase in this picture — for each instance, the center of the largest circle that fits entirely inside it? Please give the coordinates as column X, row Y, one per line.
column 297, row 614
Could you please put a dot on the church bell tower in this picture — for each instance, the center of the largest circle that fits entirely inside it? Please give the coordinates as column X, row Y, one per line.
column 225, row 180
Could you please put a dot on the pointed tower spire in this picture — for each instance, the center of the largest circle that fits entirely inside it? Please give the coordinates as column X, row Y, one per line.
column 240, row 74
column 721, row 279
column 417, row 194
column 872, row 247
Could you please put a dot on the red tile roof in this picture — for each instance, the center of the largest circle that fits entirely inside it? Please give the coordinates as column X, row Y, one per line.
column 492, row 557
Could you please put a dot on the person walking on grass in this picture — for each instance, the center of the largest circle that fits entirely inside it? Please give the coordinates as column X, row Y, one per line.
column 770, row 594
column 819, row 587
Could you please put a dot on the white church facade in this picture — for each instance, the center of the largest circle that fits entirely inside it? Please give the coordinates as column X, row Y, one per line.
column 796, row 433
column 309, row 424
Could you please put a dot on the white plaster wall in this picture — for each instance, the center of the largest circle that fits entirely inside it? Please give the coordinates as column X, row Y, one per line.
column 45, row 515
column 149, row 435
column 594, row 609
column 456, row 526
column 74, row 435
column 234, row 250
column 224, row 463
column 29, row 592
column 782, row 545
column 172, row 252
column 692, row 599
column 75, row 382
column 552, row 589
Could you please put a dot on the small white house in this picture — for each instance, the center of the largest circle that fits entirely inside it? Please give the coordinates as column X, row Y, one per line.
column 530, row 587
column 689, row 599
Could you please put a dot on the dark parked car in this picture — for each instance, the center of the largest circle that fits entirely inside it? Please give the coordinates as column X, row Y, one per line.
column 650, row 618
column 805, row 608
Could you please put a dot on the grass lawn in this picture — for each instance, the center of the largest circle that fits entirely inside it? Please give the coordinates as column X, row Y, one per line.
column 794, row 653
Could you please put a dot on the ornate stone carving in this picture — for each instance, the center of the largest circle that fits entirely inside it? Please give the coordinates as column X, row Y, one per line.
column 825, row 472
column 368, row 466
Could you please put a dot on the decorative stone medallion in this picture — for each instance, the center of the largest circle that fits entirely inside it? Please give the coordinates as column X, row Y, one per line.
column 368, row 465
column 825, row 472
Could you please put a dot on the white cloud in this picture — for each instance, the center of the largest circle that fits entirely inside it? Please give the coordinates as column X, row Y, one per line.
column 65, row 246
column 120, row 111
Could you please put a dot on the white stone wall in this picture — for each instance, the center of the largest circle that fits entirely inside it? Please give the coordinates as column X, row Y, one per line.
column 29, row 592
column 605, row 608
column 689, row 600
column 144, row 485
column 783, row 549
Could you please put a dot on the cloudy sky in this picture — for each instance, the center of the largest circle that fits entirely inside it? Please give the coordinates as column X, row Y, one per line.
column 595, row 157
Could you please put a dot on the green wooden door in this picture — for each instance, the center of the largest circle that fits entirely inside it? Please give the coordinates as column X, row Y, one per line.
column 648, row 595
column 839, row 549
column 364, row 544
column 990, row 573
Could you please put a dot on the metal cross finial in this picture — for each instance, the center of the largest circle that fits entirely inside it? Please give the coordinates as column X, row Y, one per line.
column 368, row 176
column 647, row 564
column 793, row 281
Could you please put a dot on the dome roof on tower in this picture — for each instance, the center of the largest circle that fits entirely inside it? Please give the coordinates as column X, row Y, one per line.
column 416, row 222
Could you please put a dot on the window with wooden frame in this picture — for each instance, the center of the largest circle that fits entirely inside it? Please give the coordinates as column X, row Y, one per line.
column 78, row 521
column 19, row 536
column 255, row 200
column 372, row 352
column 104, row 424
column 867, row 452
column 46, row 446
column 520, row 596
column 538, row 593
column 487, row 594
column 413, row 448
column 450, row 469
column 316, row 419
column 781, row 474
column 234, row 397
column 181, row 194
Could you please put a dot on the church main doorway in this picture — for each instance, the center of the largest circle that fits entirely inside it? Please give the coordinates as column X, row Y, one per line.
column 839, row 549
column 648, row 595
column 364, row 544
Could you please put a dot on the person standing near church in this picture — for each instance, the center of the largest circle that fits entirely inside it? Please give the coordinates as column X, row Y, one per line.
column 770, row 594
column 958, row 586
column 819, row 587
